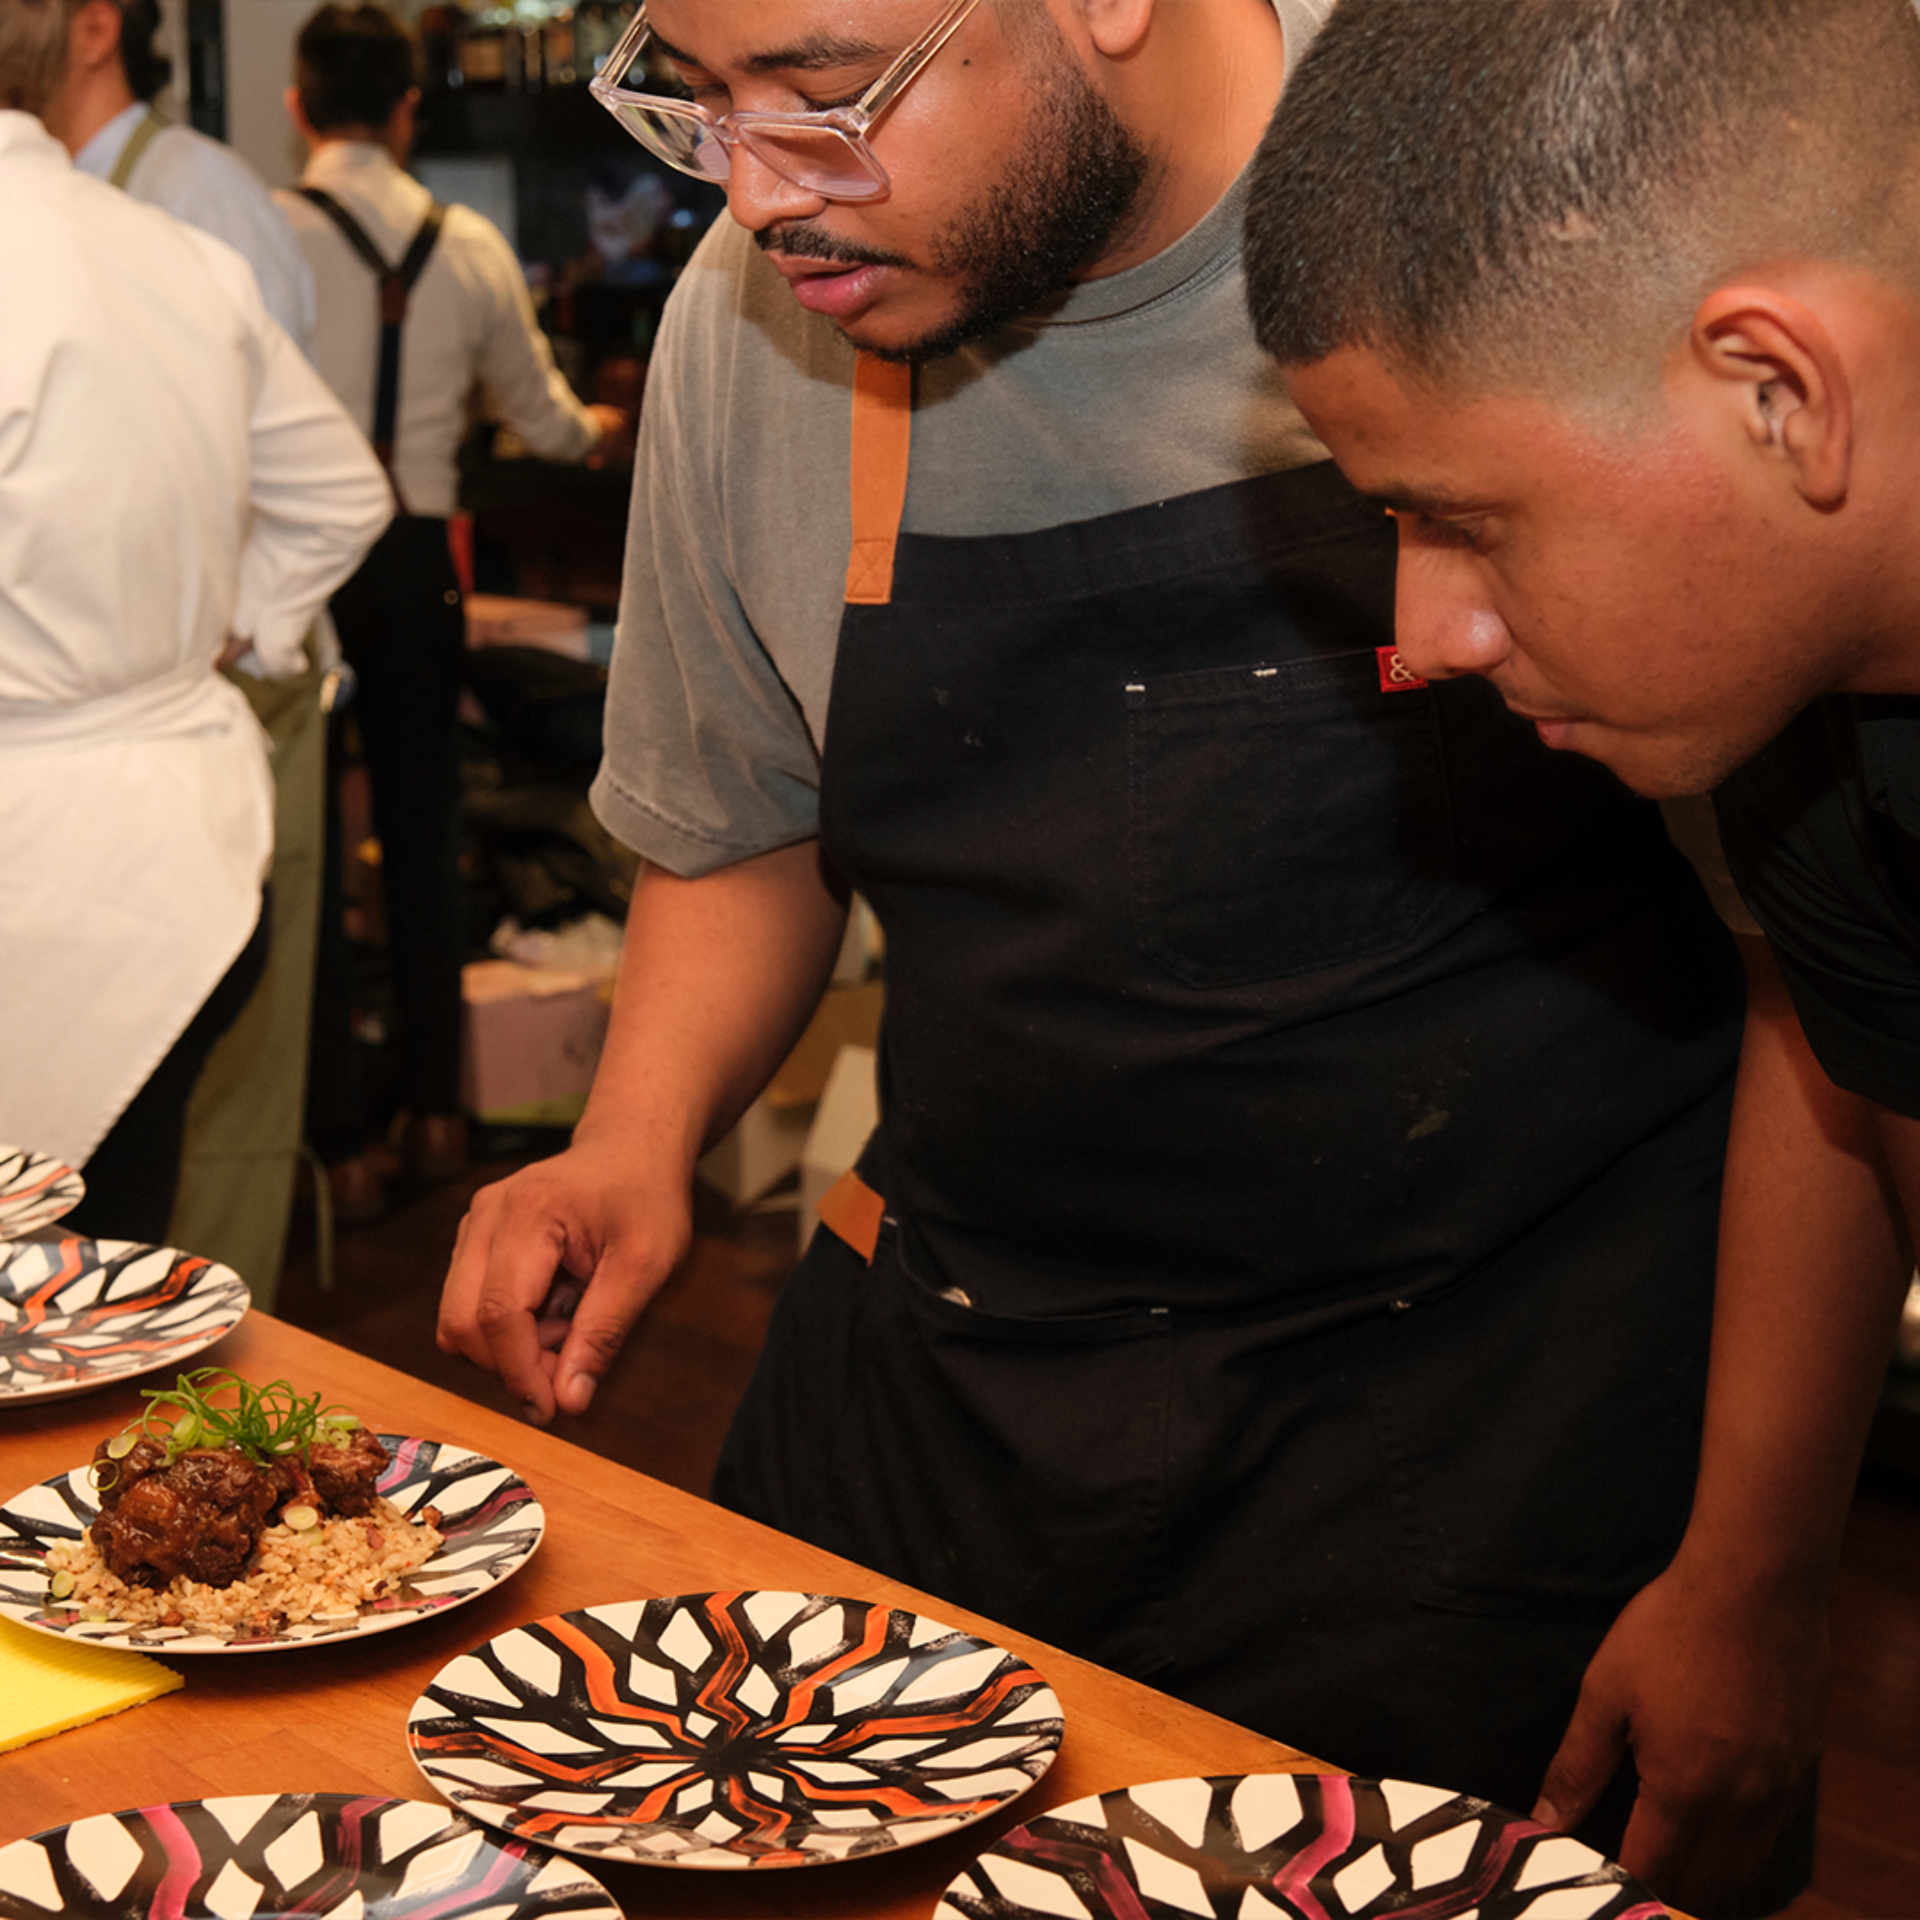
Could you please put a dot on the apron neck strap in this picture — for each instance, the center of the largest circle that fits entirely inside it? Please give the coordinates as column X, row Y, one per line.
column 882, row 436
column 137, row 143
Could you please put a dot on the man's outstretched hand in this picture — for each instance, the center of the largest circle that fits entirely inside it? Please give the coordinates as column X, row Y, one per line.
column 552, row 1268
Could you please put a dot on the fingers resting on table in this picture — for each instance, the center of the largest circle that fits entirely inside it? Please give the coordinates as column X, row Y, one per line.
column 1721, row 1710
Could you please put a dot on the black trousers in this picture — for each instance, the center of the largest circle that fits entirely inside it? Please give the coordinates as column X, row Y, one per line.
column 133, row 1173
column 403, row 630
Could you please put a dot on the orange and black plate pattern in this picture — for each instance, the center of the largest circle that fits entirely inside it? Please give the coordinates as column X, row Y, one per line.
column 734, row 1730
column 77, row 1313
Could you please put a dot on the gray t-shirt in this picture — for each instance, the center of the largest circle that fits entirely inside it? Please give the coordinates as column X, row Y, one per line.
column 1143, row 386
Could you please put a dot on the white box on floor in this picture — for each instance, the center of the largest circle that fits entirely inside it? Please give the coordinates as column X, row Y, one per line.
column 498, row 620
column 860, row 946
column 766, row 1146
column 849, row 1110
column 532, row 1040
column 761, row 1151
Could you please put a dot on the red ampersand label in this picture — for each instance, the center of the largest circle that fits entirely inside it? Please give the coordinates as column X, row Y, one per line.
column 1395, row 675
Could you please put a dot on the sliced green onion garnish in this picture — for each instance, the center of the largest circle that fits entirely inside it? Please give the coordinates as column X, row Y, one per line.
column 213, row 1407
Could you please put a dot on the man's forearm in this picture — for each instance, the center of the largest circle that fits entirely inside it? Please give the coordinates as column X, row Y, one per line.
column 718, row 977
column 1714, row 1675
column 1814, row 1258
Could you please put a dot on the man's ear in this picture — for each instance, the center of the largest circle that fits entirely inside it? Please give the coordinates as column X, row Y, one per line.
column 93, row 39
column 1117, row 26
column 1788, row 378
column 397, row 135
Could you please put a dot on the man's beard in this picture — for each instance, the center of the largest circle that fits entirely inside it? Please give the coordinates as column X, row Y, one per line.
column 1024, row 240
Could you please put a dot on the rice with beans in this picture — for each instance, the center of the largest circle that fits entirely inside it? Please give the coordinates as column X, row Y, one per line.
column 333, row 1568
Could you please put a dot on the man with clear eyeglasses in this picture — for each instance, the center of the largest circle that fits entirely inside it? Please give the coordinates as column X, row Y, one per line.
column 1283, row 1265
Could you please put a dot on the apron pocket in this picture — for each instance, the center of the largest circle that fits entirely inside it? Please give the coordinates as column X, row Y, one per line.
column 1539, row 1428
column 1283, row 819
column 1017, row 1464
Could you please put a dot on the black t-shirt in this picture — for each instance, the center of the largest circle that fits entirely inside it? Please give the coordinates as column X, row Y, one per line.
column 1822, row 831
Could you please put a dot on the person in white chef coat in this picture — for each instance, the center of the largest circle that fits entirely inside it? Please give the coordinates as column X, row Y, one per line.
column 245, row 1123
column 176, row 486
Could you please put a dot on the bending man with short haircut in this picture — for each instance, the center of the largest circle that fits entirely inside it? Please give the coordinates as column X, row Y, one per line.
column 1615, row 305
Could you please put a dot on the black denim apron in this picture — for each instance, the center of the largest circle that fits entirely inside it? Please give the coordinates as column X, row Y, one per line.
column 1302, row 1108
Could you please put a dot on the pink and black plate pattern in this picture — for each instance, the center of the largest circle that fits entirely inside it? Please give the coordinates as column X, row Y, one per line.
column 77, row 1314
column 1282, row 1846
column 276, row 1856
column 734, row 1730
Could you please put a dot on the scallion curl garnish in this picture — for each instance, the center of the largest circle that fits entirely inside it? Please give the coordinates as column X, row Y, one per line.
column 265, row 1423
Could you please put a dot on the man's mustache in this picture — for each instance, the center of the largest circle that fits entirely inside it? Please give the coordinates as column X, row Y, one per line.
column 802, row 242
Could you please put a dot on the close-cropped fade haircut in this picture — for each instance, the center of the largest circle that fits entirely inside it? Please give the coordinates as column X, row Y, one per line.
column 352, row 65
column 1532, row 193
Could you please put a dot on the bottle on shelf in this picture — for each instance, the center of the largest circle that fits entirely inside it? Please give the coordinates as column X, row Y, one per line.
column 527, row 45
column 558, row 59
column 523, row 57
column 597, row 27
column 442, row 30
column 483, row 47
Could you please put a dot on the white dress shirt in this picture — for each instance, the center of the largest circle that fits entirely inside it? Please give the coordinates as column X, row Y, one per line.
column 470, row 325
column 171, row 471
column 211, row 187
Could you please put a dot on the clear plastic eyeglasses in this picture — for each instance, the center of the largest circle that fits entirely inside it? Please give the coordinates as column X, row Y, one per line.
column 824, row 152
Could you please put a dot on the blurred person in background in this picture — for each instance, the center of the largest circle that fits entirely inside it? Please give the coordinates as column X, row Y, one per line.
column 102, row 111
column 423, row 311
column 247, row 1118
column 177, row 489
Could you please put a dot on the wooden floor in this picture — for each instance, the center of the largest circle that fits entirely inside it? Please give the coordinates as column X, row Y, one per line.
column 665, row 1406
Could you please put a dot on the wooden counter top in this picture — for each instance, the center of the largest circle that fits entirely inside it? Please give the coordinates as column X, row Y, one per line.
column 332, row 1717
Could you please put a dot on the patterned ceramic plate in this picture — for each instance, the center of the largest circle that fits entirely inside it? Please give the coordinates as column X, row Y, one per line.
column 77, row 1314
column 489, row 1517
column 34, row 1191
column 274, row 1856
column 1273, row 1846
column 755, row 1729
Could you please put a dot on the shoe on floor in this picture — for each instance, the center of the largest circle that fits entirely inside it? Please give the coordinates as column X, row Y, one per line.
column 434, row 1148
column 357, row 1189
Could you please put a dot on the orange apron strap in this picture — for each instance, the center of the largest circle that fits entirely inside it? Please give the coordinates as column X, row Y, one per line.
column 882, row 440
column 882, row 437
column 851, row 1210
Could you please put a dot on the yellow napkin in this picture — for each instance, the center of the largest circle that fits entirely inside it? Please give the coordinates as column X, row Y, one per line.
column 48, row 1685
